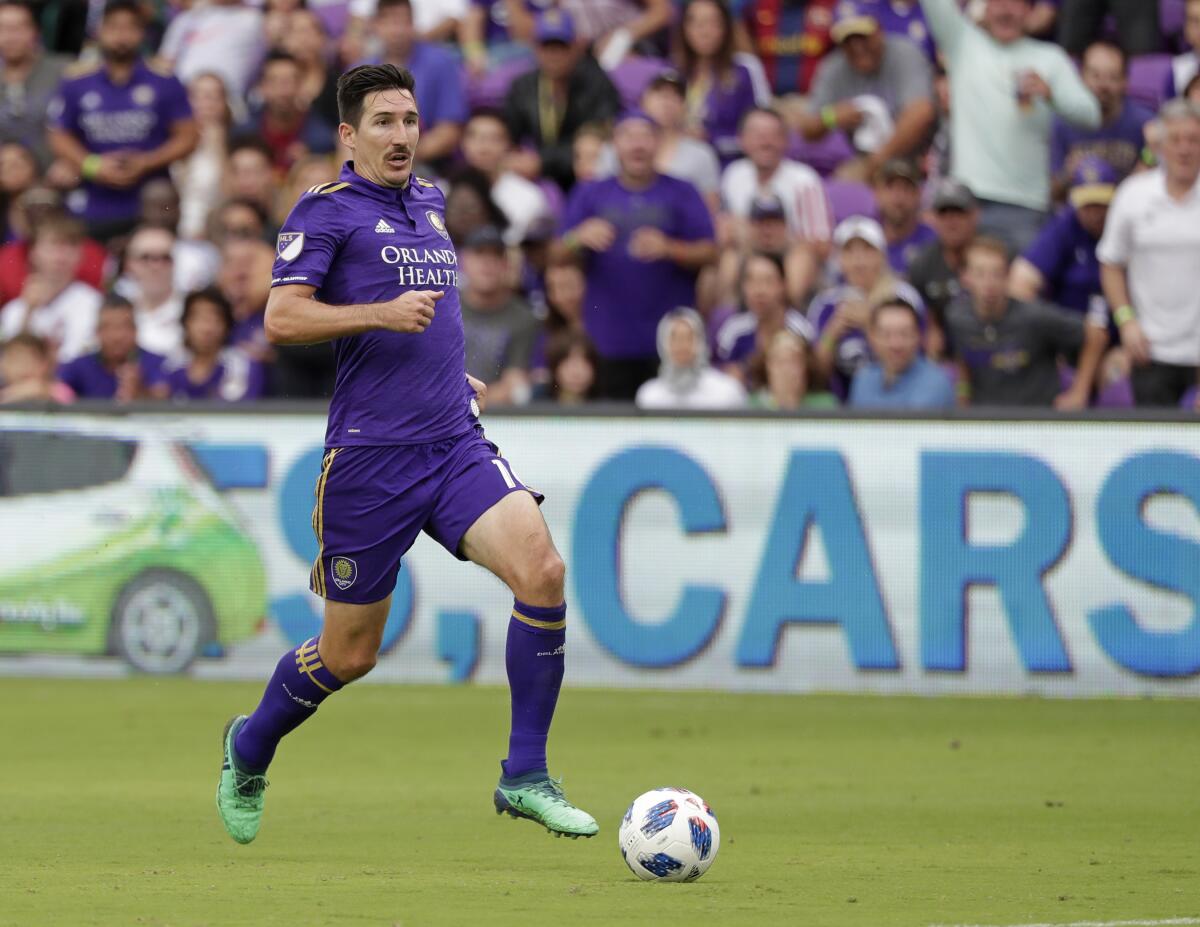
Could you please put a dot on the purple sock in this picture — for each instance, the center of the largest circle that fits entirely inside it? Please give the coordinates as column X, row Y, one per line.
column 300, row 683
column 534, row 660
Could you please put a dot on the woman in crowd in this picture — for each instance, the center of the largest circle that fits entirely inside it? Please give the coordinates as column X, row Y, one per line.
column 18, row 172
column 685, row 380
column 781, row 372
column 207, row 368
column 307, row 41
column 571, row 358
column 200, row 176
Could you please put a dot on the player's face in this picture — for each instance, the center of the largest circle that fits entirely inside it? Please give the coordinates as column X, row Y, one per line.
column 116, row 333
column 762, row 288
column 384, row 142
column 120, row 36
column 895, row 339
column 1181, row 149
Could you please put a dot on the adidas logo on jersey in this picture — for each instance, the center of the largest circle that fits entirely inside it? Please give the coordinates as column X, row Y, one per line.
column 383, row 228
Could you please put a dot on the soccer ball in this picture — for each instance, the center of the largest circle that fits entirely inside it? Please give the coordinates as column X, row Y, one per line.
column 669, row 835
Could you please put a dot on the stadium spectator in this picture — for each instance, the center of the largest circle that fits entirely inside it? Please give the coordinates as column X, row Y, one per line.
column 283, row 119
column 245, row 281
column 685, row 380
column 1185, row 66
column 53, row 304
column 1149, row 270
column 26, row 213
column 1121, row 136
column 499, row 325
column 720, row 91
column 1004, row 88
column 764, row 311
column 18, row 172
column 196, row 259
column 1008, row 350
column 29, row 78
column 782, row 370
column 877, row 88
column 936, row 269
column 223, row 37
column 206, row 367
column 1042, row 18
column 901, row 377
column 486, row 146
column 250, row 172
column 277, row 20
column 307, row 41
column 469, row 204
column 790, row 37
column 679, row 154
column 1082, row 21
column 200, row 176
column 638, row 226
column 841, row 314
column 548, row 106
column 238, row 219
column 119, row 123
column 149, row 284
column 615, row 26
column 118, row 369
column 494, row 32
column 572, row 361
column 898, row 195
column 27, row 371
column 765, row 169
column 1192, row 93
column 441, row 98
column 565, row 285
column 767, row 233
column 587, row 154
column 433, row 22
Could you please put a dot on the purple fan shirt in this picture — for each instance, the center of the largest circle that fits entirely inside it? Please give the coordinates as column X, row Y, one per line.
column 906, row 19
column 496, row 29
column 107, row 117
column 89, row 378
column 626, row 298
column 360, row 243
column 1065, row 254
column 235, row 378
column 1120, row 143
column 901, row 253
column 722, row 109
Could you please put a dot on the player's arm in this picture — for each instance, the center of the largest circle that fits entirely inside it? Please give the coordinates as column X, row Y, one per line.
column 294, row 317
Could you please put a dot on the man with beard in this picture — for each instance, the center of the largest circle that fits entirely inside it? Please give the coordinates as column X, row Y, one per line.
column 119, row 122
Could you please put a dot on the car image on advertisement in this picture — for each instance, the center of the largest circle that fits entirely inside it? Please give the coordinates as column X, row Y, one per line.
column 122, row 546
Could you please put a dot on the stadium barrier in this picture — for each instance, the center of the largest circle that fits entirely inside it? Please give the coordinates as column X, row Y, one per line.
column 896, row 555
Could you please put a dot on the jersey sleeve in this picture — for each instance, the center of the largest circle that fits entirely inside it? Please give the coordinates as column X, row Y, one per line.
column 308, row 242
column 695, row 221
column 174, row 104
column 1048, row 251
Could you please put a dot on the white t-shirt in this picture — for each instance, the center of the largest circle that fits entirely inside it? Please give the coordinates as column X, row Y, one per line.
column 714, row 390
column 227, row 40
column 797, row 185
column 427, row 14
column 160, row 330
column 522, row 202
column 1157, row 240
column 68, row 320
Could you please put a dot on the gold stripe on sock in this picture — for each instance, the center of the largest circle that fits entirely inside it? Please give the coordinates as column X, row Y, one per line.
column 542, row 625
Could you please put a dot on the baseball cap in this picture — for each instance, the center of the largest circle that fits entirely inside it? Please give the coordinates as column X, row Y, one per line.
column 853, row 19
column 668, row 78
column 485, row 238
column 953, row 194
column 554, row 25
column 639, row 114
column 767, row 206
column 860, row 228
column 1093, row 183
column 901, row 169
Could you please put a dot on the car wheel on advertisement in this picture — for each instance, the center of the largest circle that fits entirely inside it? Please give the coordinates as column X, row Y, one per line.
column 161, row 622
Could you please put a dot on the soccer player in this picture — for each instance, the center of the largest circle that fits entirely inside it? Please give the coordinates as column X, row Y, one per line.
column 367, row 263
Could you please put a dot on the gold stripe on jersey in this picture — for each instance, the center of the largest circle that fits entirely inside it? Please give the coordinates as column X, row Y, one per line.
column 334, row 188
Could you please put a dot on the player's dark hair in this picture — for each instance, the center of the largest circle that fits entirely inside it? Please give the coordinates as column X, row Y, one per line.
column 895, row 303
column 358, row 83
column 132, row 7
column 212, row 296
column 21, row 5
column 1108, row 46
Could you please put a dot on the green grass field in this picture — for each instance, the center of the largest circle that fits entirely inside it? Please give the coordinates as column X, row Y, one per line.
column 834, row 810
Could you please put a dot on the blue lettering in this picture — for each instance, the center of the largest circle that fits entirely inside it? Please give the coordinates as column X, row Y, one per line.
column 458, row 643
column 817, row 493
column 950, row 564
column 596, row 556
column 1161, row 558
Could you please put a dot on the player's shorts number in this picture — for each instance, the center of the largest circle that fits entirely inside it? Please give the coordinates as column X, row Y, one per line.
column 508, row 478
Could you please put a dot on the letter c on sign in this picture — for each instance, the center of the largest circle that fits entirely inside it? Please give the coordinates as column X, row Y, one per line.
column 596, row 556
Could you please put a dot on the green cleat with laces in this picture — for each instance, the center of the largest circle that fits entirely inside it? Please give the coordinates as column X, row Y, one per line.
column 240, row 797
column 539, row 798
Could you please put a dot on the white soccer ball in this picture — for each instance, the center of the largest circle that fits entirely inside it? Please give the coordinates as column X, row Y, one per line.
column 669, row 835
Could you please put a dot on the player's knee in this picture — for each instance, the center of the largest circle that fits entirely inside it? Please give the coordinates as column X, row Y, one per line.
column 545, row 578
column 357, row 664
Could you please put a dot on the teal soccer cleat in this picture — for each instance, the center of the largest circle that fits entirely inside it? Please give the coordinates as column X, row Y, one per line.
column 240, row 797
column 539, row 798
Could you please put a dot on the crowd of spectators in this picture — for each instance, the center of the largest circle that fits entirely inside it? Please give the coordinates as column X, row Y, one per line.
column 688, row 204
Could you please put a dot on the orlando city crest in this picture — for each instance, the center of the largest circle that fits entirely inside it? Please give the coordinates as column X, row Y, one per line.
column 345, row 572
column 438, row 223
column 289, row 245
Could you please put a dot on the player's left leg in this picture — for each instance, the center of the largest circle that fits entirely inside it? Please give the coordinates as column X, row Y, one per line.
column 512, row 541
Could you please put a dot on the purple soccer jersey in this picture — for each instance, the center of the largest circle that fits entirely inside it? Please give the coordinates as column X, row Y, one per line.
column 360, row 243
column 107, row 117
column 625, row 297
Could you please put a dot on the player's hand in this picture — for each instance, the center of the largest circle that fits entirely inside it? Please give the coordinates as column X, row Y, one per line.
column 480, row 391
column 596, row 234
column 411, row 312
column 1135, row 342
column 649, row 244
